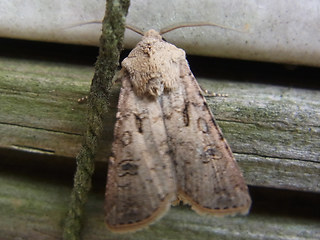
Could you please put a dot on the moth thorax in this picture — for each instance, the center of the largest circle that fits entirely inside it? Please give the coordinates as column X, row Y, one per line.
column 151, row 87
column 154, row 87
column 152, row 34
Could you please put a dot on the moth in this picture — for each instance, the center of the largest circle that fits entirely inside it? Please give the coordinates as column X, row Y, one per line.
column 167, row 145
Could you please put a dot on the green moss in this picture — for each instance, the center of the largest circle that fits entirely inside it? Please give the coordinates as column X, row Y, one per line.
column 110, row 46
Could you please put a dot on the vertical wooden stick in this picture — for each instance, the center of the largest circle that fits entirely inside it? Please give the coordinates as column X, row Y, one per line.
column 110, row 46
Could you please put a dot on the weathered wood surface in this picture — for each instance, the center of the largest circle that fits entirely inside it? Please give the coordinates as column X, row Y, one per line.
column 273, row 131
column 33, row 206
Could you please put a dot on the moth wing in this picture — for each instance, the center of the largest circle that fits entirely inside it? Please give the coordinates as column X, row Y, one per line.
column 141, row 180
column 208, row 177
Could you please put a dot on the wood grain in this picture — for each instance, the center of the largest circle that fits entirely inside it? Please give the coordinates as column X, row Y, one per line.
column 273, row 131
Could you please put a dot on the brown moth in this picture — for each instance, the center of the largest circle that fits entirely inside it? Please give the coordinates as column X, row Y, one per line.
column 167, row 145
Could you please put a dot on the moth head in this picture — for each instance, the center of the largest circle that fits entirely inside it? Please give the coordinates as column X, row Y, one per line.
column 152, row 34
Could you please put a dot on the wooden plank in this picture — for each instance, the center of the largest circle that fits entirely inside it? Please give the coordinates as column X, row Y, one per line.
column 273, row 130
column 33, row 205
column 39, row 109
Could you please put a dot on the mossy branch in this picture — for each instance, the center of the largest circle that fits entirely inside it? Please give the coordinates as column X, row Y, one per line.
column 113, row 27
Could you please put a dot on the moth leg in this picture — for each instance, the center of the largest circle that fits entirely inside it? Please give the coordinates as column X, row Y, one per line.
column 83, row 99
column 207, row 93
column 118, row 76
column 116, row 80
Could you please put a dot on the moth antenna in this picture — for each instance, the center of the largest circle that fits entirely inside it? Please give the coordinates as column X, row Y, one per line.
column 194, row 24
column 132, row 28
column 82, row 24
column 135, row 29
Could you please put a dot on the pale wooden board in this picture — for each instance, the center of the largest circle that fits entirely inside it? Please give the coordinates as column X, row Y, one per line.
column 282, row 32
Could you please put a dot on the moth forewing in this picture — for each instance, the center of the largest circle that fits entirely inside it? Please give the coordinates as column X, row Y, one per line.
column 208, row 177
column 167, row 144
column 141, row 181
